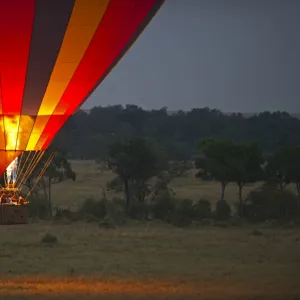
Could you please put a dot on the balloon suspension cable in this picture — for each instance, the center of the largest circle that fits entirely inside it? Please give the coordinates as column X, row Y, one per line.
column 20, row 172
column 18, row 166
column 41, row 173
column 37, row 157
column 23, row 173
column 29, row 169
column 33, row 163
column 4, row 177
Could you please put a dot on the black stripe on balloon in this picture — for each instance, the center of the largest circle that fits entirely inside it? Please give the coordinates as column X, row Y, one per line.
column 50, row 24
column 131, row 41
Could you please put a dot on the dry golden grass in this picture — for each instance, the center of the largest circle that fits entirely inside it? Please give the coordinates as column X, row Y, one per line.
column 146, row 261
column 154, row 258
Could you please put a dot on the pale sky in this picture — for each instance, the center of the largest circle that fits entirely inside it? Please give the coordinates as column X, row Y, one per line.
column 233, row 55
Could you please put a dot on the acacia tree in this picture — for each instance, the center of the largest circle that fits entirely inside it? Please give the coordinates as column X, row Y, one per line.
column 225, row 161
column 283, row 168
column 143, row 190
column 246, row 163
column 214, row 162
column 135, row 162
column 293, row 162
column 277, row 168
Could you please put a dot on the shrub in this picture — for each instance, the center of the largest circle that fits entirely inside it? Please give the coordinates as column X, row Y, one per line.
column 203, row 210
column 115, row 184
column 268, row 203
column 92, row 208
column 90, row 219
column 115, row 210
column 38, row 207
column 49, row 239
column 138, row 211
column 221, row 224
column 223, row 210
column 186, row 208
column 183, row 213
column 107, row 223
column 256, row 232
column 163, row 206
column 119, row 202
column 65, row 213
column 180, row 220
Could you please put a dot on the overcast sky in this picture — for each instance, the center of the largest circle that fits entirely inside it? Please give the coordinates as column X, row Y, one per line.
column 234, row 55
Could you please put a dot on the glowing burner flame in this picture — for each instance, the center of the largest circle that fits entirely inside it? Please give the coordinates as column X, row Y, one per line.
column 11, row 171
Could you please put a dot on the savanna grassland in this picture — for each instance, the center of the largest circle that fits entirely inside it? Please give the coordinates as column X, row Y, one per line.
column 91, row 179
column 147, row 260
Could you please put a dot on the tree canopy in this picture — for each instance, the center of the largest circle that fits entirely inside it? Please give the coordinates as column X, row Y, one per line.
column 88, row 135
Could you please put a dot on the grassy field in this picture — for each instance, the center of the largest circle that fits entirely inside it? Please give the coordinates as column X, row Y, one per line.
column 149, row 260
column 90, row 178
column 146, row 260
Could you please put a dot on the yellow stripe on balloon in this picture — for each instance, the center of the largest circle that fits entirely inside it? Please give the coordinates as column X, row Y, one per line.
column 83, row 23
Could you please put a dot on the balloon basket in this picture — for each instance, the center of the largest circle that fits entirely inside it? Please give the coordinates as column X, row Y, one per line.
column 14, row 214
column 13, row 208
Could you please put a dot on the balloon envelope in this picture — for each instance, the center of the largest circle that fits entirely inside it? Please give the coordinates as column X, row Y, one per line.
column 53, row 54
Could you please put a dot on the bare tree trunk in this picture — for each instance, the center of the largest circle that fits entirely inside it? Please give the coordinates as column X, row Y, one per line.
column 281, row 185
column 49, row 196
column 223, row 186
column 298, row 191
column 127, row 193
column 298, row 188
column 241, row 210
column 44, row 189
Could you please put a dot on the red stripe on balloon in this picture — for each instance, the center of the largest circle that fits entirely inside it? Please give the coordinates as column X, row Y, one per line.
column 16, row 22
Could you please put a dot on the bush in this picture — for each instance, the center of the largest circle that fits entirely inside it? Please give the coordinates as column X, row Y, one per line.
column 180, row 220
column 49, row 239
column 163, row 206
column 115, row 210
column 119, row 202
column 221, row 224
column 223, row 210
column 186, row 208
column 203, row 210
column 138, row 211
column 115, row 185
column 38, row 207
column 267, row 203
column 90, row 219
column 93, row 209
column 107, row 223
column 183, row 213
column 66, row 214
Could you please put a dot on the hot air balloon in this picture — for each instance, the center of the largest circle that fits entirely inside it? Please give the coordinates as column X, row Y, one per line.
column 53, row 54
